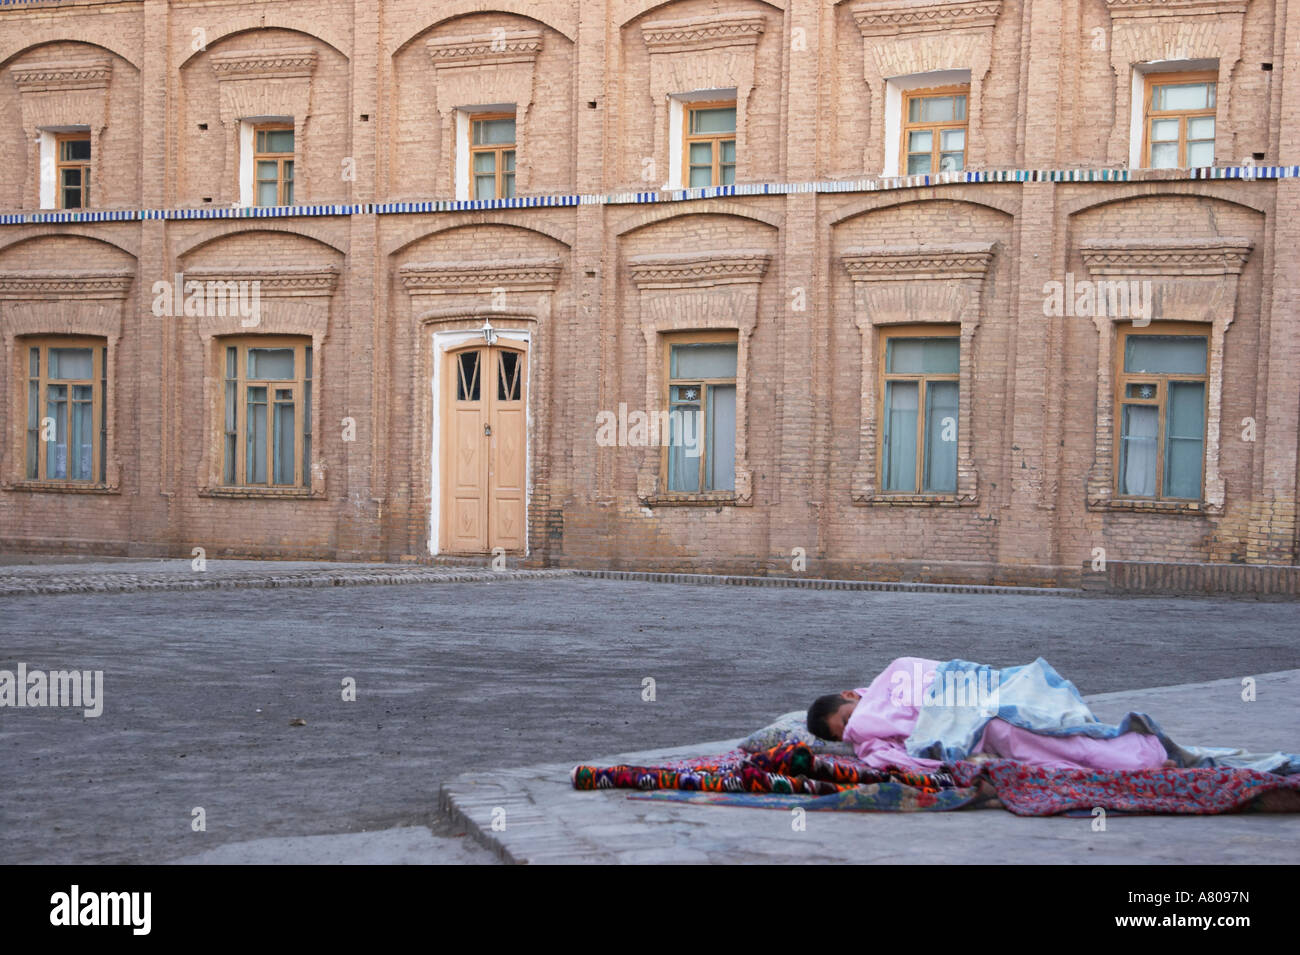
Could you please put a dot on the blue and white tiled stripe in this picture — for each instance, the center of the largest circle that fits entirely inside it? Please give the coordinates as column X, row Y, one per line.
column 670, row 195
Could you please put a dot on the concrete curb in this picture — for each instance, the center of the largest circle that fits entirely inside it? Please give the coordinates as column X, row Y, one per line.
column 824, row 583
column 128, row 583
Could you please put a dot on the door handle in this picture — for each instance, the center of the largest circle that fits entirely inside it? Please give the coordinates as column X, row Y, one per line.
column 487, row 430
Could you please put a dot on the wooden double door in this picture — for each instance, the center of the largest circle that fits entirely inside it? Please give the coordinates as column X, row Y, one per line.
column 485, row 448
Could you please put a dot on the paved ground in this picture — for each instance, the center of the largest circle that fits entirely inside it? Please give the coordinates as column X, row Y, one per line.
column 464, row 677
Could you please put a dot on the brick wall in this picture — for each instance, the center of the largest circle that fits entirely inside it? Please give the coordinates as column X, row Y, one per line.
column 376, row 95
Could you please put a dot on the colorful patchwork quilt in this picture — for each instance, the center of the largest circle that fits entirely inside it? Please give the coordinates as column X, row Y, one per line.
column 791, row 775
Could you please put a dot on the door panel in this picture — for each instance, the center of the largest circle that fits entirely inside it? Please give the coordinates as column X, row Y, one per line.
column 484, row 455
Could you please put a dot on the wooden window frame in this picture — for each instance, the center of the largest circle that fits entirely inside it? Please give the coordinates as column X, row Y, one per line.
column 1148, row 115
column 99, row 413
column 925, row 330
column 669, row 339
column 302, row 387
column 60, row 165
column 688, row 138
column 1124, row 378
column 283, row 185
column 936, row 146
column 500, row 149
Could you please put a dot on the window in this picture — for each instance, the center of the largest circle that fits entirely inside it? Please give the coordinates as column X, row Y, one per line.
column 72, row 172
column 919, row 397
column 266, row 426
column 67, row 437
column 710, row 144
column 273, row 165
column 701, row 452
column 1179, row 124
column 1160, row 394
column 492, row 155
column 934, row 130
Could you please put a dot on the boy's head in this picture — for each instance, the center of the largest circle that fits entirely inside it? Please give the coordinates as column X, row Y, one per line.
column 829, row 714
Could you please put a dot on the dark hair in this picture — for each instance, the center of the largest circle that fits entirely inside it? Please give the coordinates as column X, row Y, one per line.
column 822, row 708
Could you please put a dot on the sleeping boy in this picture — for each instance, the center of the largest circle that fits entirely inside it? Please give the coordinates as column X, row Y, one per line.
column 877, row 720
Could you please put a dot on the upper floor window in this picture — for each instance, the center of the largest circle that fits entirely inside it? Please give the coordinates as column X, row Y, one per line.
column 492, row 155
column 934, row 130
column 72, row 173
column 710, row 144
column 266, row 428
column 273, row 164
column 1179, row 123
column 1161, row 390
column 919, row 399
column 701, row 452
column 67, row 380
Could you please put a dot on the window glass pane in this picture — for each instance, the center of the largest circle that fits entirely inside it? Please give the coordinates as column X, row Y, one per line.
column 951, row 162
column 920, row 141
column 34, row 362
column 72, row 177
column 231, row 433
column 1165, row 354
column 276, row 141
column 1163, row 130
column 728, row 148
column 270, row 363
column 937, row 109
column 684, row 446
column 1200, row 154
column 923, row 356
column 1164, row 156
column 720, row 120
column 940, row 437
column 485, row 162
column 56, row 451
column 727, row 176
column 508, row 185
column 898, row 469
column 494, row 132
column 1182, row 96
column 255, row 449
column 81, row 438
column 959, row 106
column 268, row 170
column 74, row 150
column 952, row 140
column 288, row 170
column 1184, row 437
column 485, row 187
column 919, row 164
column 467, row 382
column 268, row 194
column 33, row 428
column 1200, row 127
column 283, row 470
column 704, row 361
column 1137, row 450
column 721, row 462
column 508, row 158
column 701, row 154
column 73, row 363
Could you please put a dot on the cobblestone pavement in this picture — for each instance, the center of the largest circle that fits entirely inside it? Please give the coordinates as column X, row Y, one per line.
column 200, row 688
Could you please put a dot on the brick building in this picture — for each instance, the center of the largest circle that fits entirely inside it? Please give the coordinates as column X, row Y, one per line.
column 954, row 290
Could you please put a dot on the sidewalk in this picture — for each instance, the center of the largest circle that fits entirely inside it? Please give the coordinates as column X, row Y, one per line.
column 547, row 821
